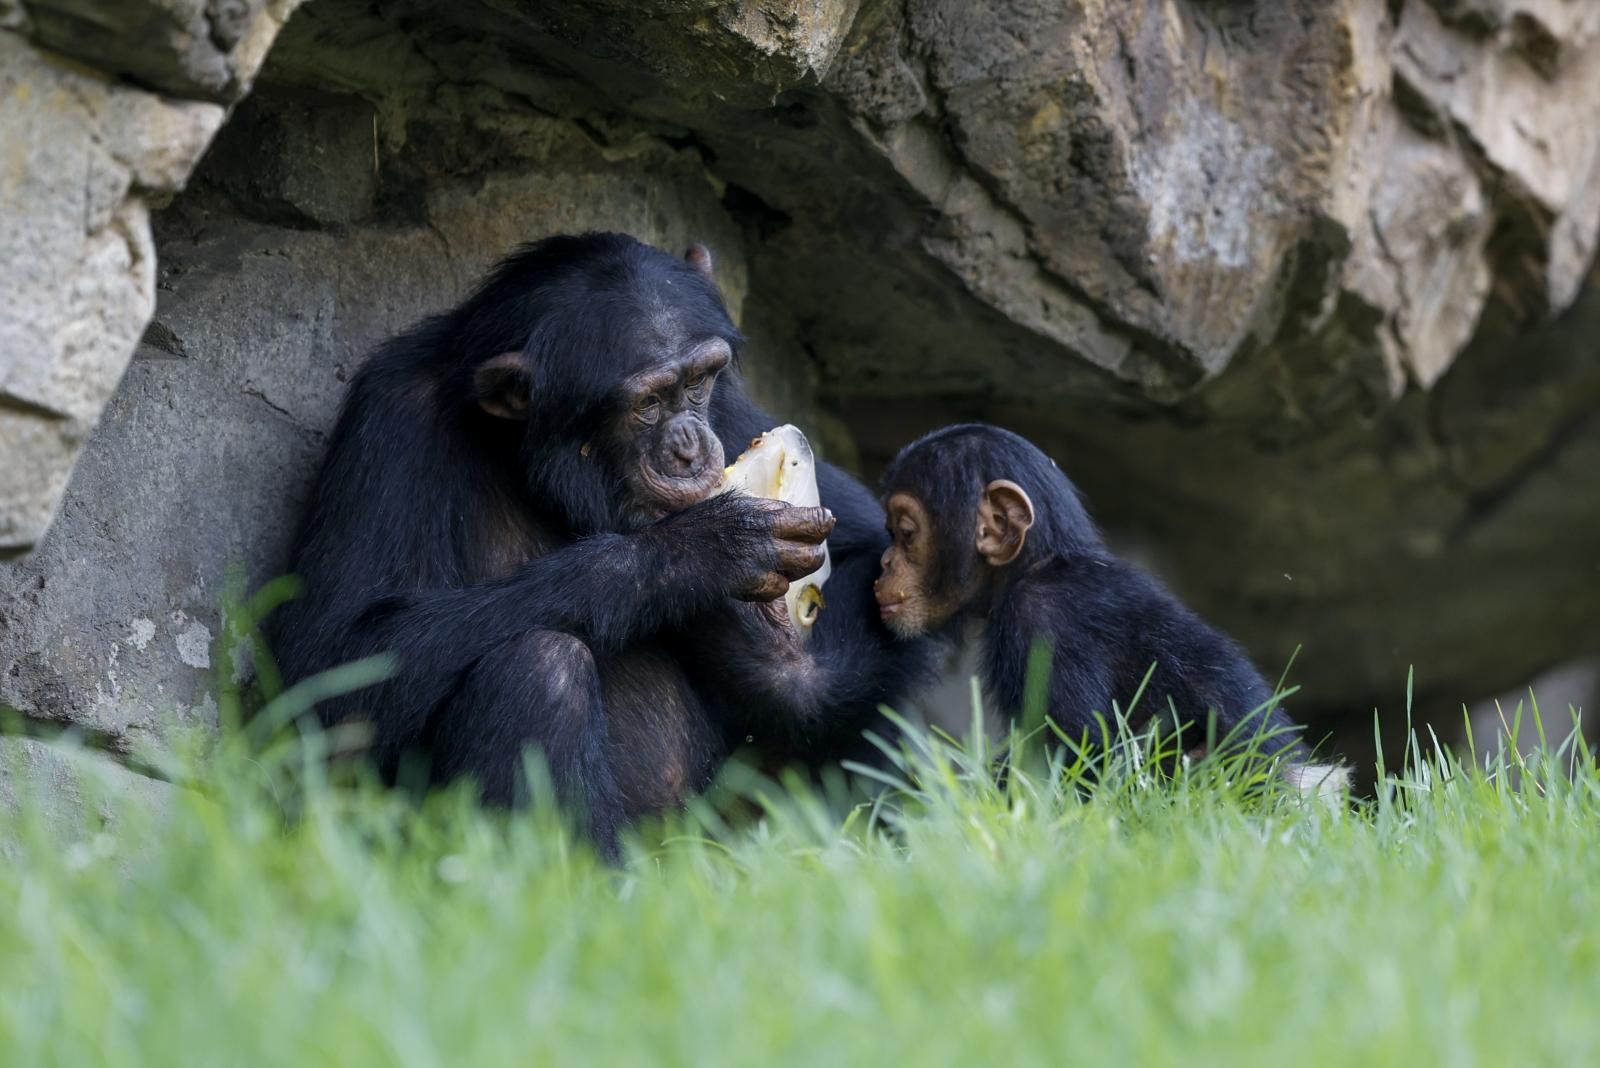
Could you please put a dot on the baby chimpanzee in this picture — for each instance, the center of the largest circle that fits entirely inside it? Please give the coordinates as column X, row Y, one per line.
column 993, row 549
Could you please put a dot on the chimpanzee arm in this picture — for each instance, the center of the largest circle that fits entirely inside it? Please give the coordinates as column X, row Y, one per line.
column 866, row 666
column 857, row 665
column 607, row 590
column 791, row 694
column 760, row 679
column 811, row 700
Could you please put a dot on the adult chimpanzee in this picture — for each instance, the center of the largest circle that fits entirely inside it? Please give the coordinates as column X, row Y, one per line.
column 993, row 549
column 516, row 501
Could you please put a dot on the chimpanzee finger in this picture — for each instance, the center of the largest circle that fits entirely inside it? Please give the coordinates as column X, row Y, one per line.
column 770, row 588
column 807, row 525
column 797, row 560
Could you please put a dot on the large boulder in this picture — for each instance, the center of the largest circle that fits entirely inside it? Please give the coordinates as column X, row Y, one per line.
column 1300, row 291
column 85, row 157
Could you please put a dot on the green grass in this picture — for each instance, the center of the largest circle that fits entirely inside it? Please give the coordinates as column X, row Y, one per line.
column 264, row 917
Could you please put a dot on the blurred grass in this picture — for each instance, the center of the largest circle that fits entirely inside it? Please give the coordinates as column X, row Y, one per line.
column 263, row 916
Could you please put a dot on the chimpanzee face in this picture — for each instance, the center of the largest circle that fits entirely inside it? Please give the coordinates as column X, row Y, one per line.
column 609, row 364
column 915, row 591
column 931, row 572
column 661, row 438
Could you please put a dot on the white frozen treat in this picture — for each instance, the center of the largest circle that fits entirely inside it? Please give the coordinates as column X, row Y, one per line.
column 779, row 465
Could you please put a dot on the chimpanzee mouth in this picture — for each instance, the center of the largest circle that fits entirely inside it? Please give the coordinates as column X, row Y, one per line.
column 665, row 494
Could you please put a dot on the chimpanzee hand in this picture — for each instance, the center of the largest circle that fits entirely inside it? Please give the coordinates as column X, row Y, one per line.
column 750, row 547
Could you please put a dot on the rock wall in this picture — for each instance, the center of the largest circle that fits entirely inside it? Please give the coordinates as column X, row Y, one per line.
column 107, row 108
column 1301, row 291
column 275, row 278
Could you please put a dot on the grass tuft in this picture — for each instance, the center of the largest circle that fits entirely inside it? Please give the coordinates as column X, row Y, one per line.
column 1084, row 906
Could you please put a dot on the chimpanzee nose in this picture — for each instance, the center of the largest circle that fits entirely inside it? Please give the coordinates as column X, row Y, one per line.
column 684, row 445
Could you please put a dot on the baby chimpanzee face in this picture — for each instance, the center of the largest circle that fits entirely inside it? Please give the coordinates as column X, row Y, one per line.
column 933, row 571
column 909, row 600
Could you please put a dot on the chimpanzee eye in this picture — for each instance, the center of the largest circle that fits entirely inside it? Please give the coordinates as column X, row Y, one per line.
column 697, row 386
column 649, row 408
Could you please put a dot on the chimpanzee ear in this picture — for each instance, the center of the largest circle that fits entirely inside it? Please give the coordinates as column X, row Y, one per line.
column 501, row 385
column 699, row 258
column 1005, row 515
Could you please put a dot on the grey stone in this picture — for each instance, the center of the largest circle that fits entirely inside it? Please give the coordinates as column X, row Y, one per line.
column 1562, row 692
column 79, row 797
column 209, row 49
column 743, row 54
column 304, row 157
column 83, row 157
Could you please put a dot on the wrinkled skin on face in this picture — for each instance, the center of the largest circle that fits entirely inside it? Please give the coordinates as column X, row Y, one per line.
column 655, row 435
column 661, row 438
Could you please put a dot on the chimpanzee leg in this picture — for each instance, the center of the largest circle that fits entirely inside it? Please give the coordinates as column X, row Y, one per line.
column 540, row 690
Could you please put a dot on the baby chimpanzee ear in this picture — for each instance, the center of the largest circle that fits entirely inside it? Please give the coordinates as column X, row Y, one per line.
column 1004, row 516
column 699, row 258
column 501, row 385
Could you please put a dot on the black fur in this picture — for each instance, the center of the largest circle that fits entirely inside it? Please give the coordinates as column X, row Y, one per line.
column 1104, row 621
column 526, row 602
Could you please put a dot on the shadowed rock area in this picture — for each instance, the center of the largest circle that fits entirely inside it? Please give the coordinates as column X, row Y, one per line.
column 1300, row 292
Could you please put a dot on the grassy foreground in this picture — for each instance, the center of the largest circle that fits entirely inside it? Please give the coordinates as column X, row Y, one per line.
column 265, row 918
